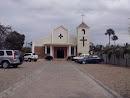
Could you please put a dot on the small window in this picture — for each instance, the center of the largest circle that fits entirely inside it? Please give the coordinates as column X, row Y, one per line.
column 48, row 50
column 9, row 53
column 82, row 31
column 1, row 53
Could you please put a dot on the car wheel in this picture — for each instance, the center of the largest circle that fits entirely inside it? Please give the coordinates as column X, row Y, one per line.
column 5, row 64
column 15, row 66
column 76, row 61
column 35, row 60
column 83, row 62
column 29, row 60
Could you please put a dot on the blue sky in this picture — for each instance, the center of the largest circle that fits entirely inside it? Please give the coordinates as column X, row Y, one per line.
column 37, row 18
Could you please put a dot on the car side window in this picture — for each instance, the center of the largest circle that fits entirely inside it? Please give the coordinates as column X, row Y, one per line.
column 24, row 54
column 86, row 56
column 17, row 52
column 9, row 53
column 1, row 53
column 27, row 54
column 81, row 55
column 90, row 57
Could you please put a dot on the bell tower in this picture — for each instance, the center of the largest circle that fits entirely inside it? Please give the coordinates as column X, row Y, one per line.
column 83, row 39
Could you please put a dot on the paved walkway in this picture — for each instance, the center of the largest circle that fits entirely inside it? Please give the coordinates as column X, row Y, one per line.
column 60, row 80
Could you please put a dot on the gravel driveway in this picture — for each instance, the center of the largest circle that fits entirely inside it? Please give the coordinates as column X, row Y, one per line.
column 59, row 80
column 115, row 77
column 9, row 77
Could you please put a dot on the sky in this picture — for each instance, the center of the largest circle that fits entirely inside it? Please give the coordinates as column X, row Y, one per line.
column 37, row 18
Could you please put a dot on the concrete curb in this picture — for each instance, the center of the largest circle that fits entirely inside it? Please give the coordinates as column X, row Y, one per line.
column 40, row 60
column 10, row 91
column 113, row 93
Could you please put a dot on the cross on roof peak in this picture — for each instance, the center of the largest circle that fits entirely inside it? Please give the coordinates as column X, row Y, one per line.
column 82, row 17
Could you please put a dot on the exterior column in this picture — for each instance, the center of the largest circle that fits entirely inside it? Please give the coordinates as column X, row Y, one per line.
column 33, row 48
column 74, row 50
column 51, row 52
column 69, row 50
column 45, row 49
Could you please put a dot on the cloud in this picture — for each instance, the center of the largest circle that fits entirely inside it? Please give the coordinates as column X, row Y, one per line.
column 36, row 18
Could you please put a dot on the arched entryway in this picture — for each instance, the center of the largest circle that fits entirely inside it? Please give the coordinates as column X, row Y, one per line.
column 60, row 53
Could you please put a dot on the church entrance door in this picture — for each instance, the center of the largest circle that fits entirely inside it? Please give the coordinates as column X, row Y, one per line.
column 60, row 53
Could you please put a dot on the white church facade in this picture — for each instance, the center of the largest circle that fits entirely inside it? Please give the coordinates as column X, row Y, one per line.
column 60, row 44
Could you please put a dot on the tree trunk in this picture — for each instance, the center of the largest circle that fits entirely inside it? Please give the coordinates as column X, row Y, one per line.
column 109, row 39
column 126, row 62
column 114, row 58
column 106, row 59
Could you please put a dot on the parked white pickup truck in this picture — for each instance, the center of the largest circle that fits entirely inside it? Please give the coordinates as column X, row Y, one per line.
column 80, row 57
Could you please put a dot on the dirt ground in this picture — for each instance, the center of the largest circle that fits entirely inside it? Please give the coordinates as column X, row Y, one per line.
column 115, row 77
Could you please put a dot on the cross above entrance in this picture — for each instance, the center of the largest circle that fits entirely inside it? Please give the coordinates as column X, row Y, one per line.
column 60, row 36
column 83, row 40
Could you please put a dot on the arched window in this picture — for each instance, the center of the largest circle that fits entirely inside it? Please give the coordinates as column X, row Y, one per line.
column 82, row 31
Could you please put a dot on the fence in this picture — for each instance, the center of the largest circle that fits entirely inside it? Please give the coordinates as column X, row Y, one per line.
column 117, row 61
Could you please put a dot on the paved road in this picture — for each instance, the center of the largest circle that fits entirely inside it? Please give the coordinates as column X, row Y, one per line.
column 60, row 80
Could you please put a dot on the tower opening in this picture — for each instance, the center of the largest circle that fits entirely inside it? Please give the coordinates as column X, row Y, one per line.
column 82, row 31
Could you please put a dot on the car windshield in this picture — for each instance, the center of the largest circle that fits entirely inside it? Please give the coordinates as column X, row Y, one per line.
column 26, row 54
column 81, row 55
column 93, row 57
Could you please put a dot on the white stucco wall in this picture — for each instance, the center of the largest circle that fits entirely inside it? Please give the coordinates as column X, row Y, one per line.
column 57, row 32
column 82, row 49
column 72, row 39
column 41, row 42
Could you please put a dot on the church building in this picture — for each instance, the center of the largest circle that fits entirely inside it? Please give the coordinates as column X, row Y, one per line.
column 61, row 44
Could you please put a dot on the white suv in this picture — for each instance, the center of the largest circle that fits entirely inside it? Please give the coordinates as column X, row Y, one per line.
column 30, row 57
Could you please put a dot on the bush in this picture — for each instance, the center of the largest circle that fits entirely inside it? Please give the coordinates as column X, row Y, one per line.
column 48, row 58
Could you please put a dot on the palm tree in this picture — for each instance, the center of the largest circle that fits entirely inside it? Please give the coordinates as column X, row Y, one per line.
column 109, row 33
column 114, row 38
